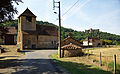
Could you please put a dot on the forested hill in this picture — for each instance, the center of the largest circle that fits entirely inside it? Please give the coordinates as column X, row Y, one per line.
column 79, row 35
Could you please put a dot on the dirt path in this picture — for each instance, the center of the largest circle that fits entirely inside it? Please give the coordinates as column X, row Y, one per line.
column 10, row 52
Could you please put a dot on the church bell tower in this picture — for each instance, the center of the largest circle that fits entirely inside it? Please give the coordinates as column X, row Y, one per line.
column 27, row 21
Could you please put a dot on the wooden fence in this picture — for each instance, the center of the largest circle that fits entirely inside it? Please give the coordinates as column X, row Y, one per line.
column 112, row 61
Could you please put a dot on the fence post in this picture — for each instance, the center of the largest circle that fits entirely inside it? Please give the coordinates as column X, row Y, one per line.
column 88, row 54
column 62, row 52
column 100, row 59
column 114, row 63
column 0, row 51
column 107, row 63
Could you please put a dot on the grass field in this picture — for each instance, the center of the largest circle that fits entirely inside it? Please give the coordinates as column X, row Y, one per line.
column 79, row 65
column 91, row 63
column 107, row 56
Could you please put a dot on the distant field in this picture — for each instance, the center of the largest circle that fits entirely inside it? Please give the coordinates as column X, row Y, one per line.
column 107, row 56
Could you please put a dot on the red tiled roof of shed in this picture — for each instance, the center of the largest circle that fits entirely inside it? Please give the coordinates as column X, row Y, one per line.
column 70, row 39
column 71, row 46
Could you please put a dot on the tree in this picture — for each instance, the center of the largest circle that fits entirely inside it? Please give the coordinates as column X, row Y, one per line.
column 108, row 42
column 7, row 9
column 3, row 31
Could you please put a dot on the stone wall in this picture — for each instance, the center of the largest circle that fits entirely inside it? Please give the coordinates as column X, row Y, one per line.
column 47, row 41
column 97, row 43
column 20, row 34
column 29, row 40
column 71, row 52
column 0, row 51
column 25, row 25
column 41, row 41
column 19, row 39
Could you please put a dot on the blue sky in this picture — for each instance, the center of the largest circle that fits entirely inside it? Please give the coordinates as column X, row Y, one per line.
column 96, row 14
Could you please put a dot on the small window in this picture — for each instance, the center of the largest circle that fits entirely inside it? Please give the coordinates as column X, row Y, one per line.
column 29, row 19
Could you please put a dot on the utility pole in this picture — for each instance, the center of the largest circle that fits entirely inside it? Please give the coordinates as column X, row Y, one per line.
column 59, row 35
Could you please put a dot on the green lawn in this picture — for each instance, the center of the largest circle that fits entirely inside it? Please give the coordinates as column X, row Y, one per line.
column 79, row 68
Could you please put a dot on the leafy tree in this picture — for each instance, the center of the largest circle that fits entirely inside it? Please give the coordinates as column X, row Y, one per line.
column 7, row 9
column 107, row 42
column 10, row 23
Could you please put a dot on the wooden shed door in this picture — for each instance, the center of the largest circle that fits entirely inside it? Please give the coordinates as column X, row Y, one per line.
column 9, row 39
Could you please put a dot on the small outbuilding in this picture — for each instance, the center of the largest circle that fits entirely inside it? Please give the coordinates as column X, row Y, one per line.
column 8, row 35
column 71, row 47
column 71, row 50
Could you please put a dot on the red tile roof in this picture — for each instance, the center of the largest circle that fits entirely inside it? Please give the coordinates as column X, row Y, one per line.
column 71, row 46
column 69, row 37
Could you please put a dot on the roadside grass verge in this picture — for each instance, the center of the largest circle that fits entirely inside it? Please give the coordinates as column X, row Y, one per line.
column 111, row 65
column 78, row 68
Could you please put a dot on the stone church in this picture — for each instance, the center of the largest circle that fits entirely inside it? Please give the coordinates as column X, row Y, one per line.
column 32, row 35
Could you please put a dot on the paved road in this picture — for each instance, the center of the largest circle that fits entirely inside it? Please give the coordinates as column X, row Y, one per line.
column 34, row 62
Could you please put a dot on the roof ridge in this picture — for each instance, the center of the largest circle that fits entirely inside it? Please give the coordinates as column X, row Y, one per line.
column 27, row 12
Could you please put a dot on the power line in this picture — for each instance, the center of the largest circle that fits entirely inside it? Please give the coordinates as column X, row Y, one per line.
column 84, row 2
column 71, row 7
column 68, row 10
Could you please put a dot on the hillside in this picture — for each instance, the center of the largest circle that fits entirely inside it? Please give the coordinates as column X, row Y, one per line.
column 107, row 38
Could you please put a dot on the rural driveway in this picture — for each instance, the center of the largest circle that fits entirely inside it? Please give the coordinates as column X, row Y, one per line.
column 33, row 62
